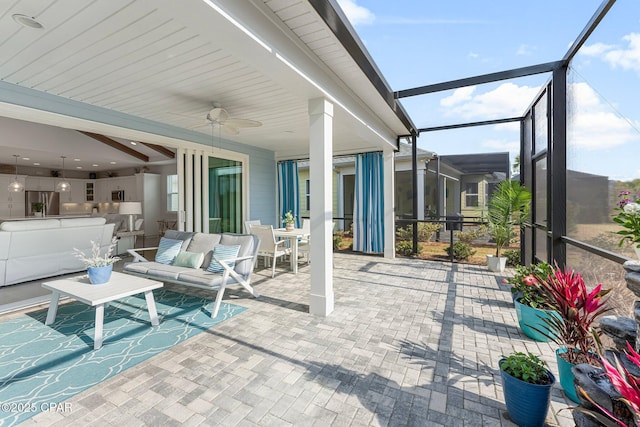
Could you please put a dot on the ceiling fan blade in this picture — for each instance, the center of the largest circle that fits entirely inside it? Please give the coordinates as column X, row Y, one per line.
column 187, row 116
column 242, row 123
column 228, row 129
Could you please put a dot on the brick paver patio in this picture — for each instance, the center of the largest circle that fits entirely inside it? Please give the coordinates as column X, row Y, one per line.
column 410, row 342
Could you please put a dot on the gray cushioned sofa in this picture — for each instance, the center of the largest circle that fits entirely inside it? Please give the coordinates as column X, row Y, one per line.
column 195, row 242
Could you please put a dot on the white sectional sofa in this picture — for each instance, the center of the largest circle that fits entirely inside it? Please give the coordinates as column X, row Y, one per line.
column 39, row 248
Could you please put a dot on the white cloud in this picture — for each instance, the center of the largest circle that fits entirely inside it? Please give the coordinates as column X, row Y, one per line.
column 473, row 55
column 593, row 125
column 459, row 95
column 507, row 100
column 596, row 49
column 627, row 57
column 510, row 145
column 525, row 50
column 357, row 15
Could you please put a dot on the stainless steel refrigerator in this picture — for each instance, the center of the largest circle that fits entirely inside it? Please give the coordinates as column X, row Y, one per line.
column 49, row 199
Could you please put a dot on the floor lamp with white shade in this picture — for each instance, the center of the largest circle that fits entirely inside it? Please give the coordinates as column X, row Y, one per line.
column 131, row 209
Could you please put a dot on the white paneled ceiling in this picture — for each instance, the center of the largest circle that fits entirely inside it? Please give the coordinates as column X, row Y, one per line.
column 169, row 62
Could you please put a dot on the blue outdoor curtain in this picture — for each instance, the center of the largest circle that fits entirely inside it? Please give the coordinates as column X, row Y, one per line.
column 289, row 189
column 368, row 209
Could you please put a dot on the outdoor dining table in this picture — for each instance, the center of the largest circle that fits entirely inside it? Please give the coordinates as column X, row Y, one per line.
column 293, row 236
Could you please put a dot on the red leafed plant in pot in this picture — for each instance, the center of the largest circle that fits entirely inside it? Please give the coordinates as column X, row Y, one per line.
column 574, row 328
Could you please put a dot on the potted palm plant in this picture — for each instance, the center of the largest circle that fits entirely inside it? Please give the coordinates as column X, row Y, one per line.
column 526, row 383
column 508, row 210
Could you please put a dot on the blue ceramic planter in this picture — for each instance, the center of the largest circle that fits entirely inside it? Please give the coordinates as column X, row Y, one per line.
column 99, row 275
column 531, row 321
column 527, row 403
column 566, row 376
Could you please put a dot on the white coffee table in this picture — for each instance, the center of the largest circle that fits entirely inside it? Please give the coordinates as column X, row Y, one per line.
column 120, row 286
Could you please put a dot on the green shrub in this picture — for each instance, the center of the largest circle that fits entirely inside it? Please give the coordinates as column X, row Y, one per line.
column 426, row 230
column 461, row 251
column 337, row 240
column 471, row 234
column 513, row 257
column 406, row 248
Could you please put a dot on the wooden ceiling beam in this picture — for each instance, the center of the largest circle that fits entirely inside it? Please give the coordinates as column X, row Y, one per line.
column 160, row 149
column 115, row 144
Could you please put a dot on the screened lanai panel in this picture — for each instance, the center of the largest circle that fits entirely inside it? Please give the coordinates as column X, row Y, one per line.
column 603, row 129
column 540, row 210
column 541, row 124
column 527, row 179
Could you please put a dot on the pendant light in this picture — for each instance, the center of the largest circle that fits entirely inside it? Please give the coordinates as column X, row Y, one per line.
column 16, row 186
column 63, row 186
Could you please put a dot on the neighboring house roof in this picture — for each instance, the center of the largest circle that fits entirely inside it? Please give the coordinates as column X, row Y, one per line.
column 405, row 153
column 482, row 163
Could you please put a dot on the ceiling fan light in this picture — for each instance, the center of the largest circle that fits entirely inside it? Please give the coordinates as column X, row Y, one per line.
column 26, row 21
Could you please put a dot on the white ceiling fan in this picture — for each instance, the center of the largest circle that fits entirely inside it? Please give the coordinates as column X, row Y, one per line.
column 219, row 117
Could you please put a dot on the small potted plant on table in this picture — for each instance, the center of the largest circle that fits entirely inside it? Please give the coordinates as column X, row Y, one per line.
column 289, row 221
column 99, row 267
column 526, row 383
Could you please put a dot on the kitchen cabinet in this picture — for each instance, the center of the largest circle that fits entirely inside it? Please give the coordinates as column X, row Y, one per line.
column 89, row 194
column 126, row 184
column 40, row 183
column 77, row 193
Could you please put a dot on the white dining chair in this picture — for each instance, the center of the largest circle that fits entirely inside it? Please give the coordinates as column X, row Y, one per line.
column 249, row 223
column 304, row 244
column 270, row 248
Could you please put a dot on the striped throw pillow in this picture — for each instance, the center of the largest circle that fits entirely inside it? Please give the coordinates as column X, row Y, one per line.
column 223, row 252
column 167, row 250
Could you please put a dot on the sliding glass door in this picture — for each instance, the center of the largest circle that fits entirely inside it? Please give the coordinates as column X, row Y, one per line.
column 225, row 195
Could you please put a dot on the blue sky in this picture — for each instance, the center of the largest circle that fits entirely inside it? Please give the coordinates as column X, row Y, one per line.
column 418, row 42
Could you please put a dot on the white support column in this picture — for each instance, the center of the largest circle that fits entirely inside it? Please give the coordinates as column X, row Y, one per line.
column 188, row 197
column 181, row 187
column 389, row 204
column 340, row 225
column 205, row 191
column 443, row 197
column 421, row 173
column 320, row 176
column 197, row 191
column 456, row 201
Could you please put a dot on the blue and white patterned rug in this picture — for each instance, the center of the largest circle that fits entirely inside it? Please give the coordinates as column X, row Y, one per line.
column 41, row 366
